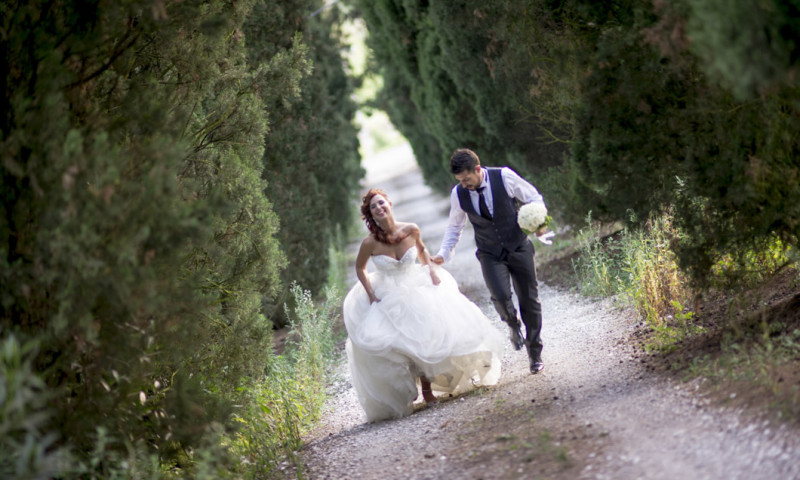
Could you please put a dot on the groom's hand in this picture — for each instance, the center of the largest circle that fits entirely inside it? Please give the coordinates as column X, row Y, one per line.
column 437, row 259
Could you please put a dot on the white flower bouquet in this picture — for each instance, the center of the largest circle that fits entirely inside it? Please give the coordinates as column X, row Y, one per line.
column 532, row 216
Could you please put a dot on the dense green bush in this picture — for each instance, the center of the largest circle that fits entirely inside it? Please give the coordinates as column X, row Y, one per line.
column 454, row 76
column 311, row 161
column 683, row 106
column 287, row 400
column 139, row 242
column 750, row 47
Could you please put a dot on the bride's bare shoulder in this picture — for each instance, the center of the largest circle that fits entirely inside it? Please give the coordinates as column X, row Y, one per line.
column 369, row 240
column 368, row 244
column 410, row 229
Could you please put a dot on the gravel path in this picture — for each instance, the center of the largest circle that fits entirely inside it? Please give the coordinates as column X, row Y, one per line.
column 598, row 411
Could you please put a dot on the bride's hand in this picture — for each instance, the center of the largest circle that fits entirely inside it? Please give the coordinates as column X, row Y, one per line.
column 435, row 278
column 373, row 299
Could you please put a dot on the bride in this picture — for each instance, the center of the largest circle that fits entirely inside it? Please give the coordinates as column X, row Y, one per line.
column 408, row 321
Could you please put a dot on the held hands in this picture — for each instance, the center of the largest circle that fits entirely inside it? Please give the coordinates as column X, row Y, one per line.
column 437, row 259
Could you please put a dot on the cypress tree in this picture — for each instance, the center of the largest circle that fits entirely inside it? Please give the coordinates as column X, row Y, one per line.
column 454, row 77
column 685, row 106
column 311, row 161
column 138, row 241
column 658, row 126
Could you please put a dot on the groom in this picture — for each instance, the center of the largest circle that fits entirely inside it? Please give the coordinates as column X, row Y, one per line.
column 486, row 196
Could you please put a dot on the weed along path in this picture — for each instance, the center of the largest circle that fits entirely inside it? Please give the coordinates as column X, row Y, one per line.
column 600, row 409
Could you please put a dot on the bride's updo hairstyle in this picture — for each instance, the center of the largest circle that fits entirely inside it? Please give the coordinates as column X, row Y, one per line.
column 366, row 215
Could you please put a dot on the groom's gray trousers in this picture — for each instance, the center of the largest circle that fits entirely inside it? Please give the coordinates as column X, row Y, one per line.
column 518, row 267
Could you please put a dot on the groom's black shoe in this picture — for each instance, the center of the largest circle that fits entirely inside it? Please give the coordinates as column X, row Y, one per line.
column 535, row 356
column 536, row 366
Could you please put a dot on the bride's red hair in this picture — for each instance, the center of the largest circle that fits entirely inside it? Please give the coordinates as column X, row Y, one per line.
column 366, row 215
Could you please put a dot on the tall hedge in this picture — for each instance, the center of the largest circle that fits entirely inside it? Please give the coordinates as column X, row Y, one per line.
column 453, row 77
column 690, row 105
column 139, row 240
column 311, row 160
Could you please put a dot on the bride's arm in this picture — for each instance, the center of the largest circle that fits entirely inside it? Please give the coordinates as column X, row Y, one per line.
column 361, row 267
column 424, row 257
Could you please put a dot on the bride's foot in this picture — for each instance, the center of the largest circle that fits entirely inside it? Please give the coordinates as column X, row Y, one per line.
column 427, row 392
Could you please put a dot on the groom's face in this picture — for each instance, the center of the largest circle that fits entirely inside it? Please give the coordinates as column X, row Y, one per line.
column 470, row 179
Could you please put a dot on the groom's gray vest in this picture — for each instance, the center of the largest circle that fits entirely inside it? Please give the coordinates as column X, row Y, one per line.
column 502, row 231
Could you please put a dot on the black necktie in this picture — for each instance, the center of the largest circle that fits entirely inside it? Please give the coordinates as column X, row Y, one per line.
column 482, row 204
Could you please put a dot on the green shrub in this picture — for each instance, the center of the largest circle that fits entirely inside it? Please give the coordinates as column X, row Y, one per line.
column 598, row 266
column 28, row 449
column 311, row 344
column 654, row 283
column 747, row 268
column 638, row 266
column 287, row 401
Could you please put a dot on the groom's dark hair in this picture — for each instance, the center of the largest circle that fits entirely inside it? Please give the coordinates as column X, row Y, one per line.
column 462, row 160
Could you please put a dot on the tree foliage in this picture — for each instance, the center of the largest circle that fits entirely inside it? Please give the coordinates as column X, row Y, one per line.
column 139, row 232
column 691, row 105
column 659, row 126
column 311, row 159
column 453, row 76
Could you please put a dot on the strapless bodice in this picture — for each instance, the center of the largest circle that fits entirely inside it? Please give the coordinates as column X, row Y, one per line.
column 391, row 266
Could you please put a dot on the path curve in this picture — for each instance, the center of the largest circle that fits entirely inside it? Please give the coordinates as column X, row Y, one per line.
column 598, row 411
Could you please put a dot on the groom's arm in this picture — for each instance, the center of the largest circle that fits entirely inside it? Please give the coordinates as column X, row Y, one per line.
column 519, row 188
column 452, row 234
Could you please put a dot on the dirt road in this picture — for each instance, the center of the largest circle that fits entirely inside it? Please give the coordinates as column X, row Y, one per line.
column 600, row 409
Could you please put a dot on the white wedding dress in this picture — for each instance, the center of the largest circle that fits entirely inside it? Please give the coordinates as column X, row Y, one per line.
column 416, row 329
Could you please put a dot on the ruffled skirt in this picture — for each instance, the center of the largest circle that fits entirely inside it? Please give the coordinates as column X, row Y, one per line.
column 417, row 329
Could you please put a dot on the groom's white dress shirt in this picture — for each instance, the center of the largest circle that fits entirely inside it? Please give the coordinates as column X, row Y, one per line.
column 516, row 187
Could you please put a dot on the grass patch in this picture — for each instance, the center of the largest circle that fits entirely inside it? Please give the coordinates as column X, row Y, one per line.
column 638, row 268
